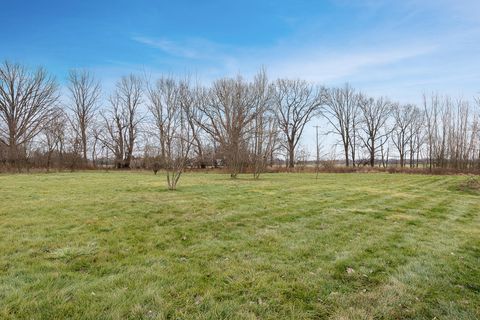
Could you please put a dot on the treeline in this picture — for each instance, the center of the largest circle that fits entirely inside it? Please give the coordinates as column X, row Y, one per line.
column 172, row 123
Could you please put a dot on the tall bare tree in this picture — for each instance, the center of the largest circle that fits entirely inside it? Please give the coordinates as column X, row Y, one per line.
column 84, row 101
column 159, row 95
column 430, row 109
column 417, row 133
column 195, row 119
column 27, row 99
column 461, row 122
column 404, row 116
column 122, row 120
column 296, row 102
column 374, row 115
column 436, row 116
column 341, row 110
column 229, row 110
column 265, row 132
column 264, row 142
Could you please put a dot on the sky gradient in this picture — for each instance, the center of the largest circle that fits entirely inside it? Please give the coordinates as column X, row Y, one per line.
column 395, row 48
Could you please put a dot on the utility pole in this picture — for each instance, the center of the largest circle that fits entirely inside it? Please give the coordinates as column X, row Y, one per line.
column 317, row 165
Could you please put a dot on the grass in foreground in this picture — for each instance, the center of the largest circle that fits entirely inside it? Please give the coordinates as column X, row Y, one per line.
column 348, row 246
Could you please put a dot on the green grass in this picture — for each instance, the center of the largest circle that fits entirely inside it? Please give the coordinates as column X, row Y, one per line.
column 346, row 246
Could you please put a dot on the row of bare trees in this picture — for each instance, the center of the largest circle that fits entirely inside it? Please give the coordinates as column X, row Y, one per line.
column 171, row 123
column 441, row 133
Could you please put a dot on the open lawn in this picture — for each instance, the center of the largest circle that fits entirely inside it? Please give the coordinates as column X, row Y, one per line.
column 118, row 245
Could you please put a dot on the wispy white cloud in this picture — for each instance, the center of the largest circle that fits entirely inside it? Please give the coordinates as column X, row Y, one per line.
column 392, row 49
column 196, row 55
column 341, row 64
column 313, row 63
column 170, row 47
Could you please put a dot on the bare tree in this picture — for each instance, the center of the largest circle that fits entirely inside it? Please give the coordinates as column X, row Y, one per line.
column 374, row 116
column 95, row 133
column 26, row 103
column 229, row 110
column 437, row 118
column 159, row 96
column 84, row 99
column 340, row 110
column 195, row 120
column 461, row 124
column 122, row 120
column 431, row 117
column 54, row 137
column 265, row 124
column 404, row 116
column 417, row 133
column 296, row 102
column 72, row 156
column 451, row 133
column 384, row 153
column 355, row 139
column 170, row 102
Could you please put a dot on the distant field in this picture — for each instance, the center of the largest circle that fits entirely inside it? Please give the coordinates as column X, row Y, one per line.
column 118, row 245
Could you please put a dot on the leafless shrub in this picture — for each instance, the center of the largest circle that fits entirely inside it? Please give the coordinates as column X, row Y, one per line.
column 170, row 104
column 472, row 184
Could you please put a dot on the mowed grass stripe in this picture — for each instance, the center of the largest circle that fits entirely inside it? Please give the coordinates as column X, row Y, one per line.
column 117, row 245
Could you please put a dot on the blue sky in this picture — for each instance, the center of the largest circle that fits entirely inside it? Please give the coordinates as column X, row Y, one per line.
column 395, row 48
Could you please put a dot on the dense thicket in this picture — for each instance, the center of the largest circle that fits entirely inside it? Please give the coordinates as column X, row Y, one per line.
column 234, row 123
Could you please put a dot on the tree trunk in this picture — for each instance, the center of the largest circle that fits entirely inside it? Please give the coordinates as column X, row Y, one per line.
column 372, row 154
column 84, row 147
column 291, row 155
column 347, row 161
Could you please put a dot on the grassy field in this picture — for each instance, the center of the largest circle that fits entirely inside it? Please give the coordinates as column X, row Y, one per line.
column 117, row 245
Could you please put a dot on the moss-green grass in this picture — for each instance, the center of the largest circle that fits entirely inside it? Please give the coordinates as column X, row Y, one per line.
column 118, row 245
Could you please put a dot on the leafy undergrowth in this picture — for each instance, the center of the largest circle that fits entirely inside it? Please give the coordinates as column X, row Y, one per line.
column 117, row 245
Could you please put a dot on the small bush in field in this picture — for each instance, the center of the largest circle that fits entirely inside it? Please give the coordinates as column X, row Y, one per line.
column 155, row 167
column 472, row 184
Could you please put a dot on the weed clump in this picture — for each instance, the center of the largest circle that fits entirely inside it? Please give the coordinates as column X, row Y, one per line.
column 472, row 185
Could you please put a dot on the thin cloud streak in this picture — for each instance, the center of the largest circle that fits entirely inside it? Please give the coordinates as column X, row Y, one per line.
column 169, row 47
column 311, row 63
column 387, row 53
column 342, row 64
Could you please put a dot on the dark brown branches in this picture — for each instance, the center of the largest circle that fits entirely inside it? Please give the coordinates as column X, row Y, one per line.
column 27, row 99
column 374, row 114
column 296, row 102
column 84, row 101
column 122, row 120
column 341, row 111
